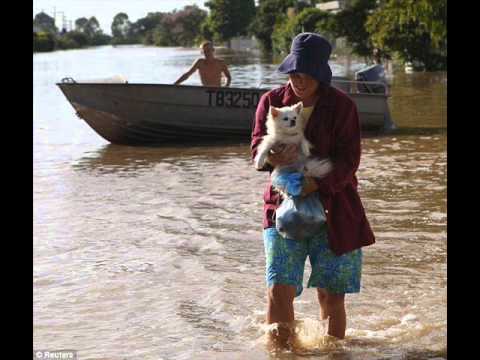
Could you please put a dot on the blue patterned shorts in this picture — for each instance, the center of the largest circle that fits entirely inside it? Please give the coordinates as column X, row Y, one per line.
column 285, row 263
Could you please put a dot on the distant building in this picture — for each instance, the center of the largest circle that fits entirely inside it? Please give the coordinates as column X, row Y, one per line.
column 243, row 43
column 333, row 6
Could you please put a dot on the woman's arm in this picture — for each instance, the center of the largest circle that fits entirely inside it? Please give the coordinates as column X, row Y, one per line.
column 259, row 128
column 346, row 151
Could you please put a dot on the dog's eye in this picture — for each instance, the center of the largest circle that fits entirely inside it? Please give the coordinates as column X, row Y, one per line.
column 294, row 118
column 285, row 118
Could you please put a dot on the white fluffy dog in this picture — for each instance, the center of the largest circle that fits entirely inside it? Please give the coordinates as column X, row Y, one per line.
column 286, row 125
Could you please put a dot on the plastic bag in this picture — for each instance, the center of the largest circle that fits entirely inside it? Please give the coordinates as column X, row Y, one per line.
column 288, row 182
column 298, row 218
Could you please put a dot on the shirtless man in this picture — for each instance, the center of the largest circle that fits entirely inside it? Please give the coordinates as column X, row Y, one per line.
column 210, row 68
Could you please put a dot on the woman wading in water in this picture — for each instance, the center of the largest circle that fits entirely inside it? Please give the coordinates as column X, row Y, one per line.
column 335, row 254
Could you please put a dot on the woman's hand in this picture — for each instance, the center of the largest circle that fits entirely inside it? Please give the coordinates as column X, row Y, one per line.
column 309, row 186
column 285, row 156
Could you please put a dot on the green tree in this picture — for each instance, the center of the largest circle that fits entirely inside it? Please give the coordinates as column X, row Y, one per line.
column 350, row 24
column 80, row 24
column 229, row 18
column 142, row 29
column 176, row 28
column 282, row 35
column 95, row 33
column 45, row 22
column 89, row 27
column 93, row 27
column 162, row 35
column 190, row 19
column 91, row 30
column 268, row 13
column 414, row 29
column 205, row 31
column 121, row 29
column 308, row 20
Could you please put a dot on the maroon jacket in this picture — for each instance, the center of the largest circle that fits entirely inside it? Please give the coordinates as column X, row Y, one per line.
column 334, row 131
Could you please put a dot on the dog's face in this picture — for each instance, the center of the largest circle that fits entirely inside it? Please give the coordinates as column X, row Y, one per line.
column 286, row 119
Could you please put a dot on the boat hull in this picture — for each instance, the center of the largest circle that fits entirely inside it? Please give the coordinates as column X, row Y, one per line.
column 152, row 114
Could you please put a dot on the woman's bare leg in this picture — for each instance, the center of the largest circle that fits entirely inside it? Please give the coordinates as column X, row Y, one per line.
column 332, row 306
column 280, row 310
column 322, row 299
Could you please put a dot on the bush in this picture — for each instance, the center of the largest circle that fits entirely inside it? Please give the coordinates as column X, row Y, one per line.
column 100, row 39
column 64, row 43
column 43, row 41
column 123, row 41
column 78, row 37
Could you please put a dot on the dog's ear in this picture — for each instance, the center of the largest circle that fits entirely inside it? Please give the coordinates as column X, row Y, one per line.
column 298, row 107
column 274, row 111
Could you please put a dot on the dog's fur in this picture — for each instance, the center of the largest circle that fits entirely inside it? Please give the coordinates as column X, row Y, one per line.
column 317, row 168
column 286, row 125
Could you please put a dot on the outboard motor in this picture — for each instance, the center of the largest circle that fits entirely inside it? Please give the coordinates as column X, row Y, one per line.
column 375, row 73
column 372, row 73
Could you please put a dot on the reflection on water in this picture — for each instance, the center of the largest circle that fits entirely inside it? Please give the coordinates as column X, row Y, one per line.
column 419, row 100
column 156, row 253
column 118, row 158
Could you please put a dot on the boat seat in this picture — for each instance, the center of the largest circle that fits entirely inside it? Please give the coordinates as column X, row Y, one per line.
column 116, row 79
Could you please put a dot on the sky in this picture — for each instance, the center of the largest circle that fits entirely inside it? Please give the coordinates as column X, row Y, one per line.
column 105, row 10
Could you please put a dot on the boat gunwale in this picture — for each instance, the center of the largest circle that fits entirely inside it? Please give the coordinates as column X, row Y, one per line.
column 162, row 85
column 198, row 87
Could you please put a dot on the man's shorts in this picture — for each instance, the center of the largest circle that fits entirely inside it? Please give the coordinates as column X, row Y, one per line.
column 285, row 262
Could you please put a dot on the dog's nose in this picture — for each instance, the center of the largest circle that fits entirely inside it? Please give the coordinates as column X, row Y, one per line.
column 293, row 123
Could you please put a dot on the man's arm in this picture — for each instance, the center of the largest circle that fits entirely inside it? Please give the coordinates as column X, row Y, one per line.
column 188, row 73
column 227, row 74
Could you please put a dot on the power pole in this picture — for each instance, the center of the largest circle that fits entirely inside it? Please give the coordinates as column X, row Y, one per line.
column 63, row 19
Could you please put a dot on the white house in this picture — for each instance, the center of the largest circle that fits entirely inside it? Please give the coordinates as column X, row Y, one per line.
column 243, row 43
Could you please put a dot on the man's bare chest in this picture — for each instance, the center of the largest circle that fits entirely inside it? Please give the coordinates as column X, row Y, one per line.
column 210, row 67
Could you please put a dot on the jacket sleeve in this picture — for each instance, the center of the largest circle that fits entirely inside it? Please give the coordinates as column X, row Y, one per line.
column 259, row 128
column 346, row 150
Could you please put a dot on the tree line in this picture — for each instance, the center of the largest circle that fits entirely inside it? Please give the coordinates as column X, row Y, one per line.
column 410, row 30
column 47, row 37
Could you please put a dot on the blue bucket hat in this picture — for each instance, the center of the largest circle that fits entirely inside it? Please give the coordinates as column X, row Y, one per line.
column 309, row 54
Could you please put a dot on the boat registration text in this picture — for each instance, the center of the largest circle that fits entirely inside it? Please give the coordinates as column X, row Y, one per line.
column 233, row 99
